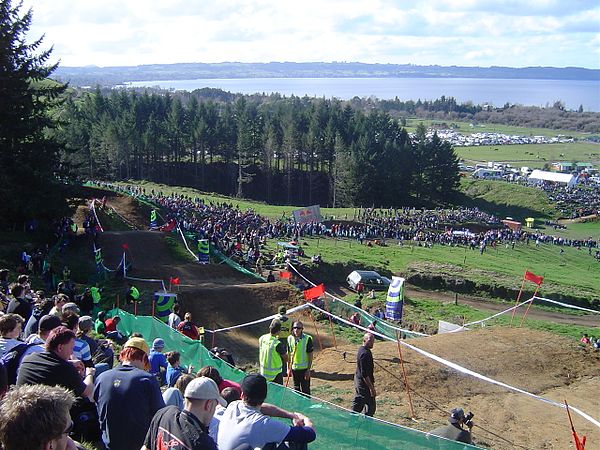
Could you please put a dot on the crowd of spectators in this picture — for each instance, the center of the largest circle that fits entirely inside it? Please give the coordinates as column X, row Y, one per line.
column 49, row 352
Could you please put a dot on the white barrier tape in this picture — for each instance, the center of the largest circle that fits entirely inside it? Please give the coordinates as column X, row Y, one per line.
column 566, row 305
column 264, row 319
column 124, row 219
column 463, row 369
column 149, row 280
column 382, row 322
column 492, row 317
column 92, row 207
column 185, row 243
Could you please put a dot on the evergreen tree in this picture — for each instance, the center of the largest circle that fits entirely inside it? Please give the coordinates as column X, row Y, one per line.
column 29, row 154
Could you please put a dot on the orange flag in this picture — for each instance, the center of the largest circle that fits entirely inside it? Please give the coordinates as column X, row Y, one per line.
column 314, row 292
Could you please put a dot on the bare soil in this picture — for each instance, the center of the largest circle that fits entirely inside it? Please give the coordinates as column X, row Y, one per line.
column 541, row 363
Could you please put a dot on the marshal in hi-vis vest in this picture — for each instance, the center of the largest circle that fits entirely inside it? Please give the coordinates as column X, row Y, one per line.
column 298, row 351
column 271, row 363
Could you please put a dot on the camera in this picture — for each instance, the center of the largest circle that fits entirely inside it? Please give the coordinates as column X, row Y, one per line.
column 468, row 420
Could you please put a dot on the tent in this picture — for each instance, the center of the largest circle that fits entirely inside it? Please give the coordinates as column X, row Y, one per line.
column 538, row 176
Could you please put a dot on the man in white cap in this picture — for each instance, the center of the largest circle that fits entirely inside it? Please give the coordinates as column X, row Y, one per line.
column 188, row 428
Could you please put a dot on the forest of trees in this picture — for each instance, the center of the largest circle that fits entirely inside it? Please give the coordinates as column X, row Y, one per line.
column 281, row 150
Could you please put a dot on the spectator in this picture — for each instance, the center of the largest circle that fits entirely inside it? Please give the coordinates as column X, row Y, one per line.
column 174, row 368
column 286, row 324
column 41, row 308
column 60, row 300
column 188, row 328
column 81, row 350
column 364, row 380
column 212, row 373
column 53, row 368
column 99, row 326
column 455, row 431
column 18, row 304
column 272, row 354
column 36, row 417
column 86, row 302
column 158, row 361
column 10, row 330
column 585, row 339
column 37, row 341
column 224, row 354
column 245, row 422
column 230, row 395
column 111, row 330
column 174, row 319
column 127, row 397
column 174, row 395
column 189, row 426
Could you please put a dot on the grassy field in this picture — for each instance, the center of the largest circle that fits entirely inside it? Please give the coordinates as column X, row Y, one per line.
column 466, row 128
column 572, row 273
column 531, row 155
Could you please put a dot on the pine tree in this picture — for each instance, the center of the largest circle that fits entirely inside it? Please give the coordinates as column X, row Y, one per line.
column 29, row 155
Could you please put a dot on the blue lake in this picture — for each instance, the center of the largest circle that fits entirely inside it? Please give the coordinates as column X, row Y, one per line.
column 496, row 92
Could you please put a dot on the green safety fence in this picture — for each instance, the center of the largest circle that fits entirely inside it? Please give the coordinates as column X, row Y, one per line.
column 336, row 427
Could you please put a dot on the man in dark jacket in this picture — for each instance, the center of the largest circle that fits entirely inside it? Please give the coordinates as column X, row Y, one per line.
column 364, row 381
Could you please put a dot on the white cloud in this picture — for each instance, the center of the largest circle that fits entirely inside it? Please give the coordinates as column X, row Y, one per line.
column 459, row 32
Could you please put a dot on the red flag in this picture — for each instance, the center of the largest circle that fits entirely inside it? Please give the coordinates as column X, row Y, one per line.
column 174, row 280
column 125, row 246
column 285, row 274
column 314, row 292
column 534, row 278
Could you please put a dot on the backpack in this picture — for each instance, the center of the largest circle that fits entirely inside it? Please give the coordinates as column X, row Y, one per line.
column 11, row 360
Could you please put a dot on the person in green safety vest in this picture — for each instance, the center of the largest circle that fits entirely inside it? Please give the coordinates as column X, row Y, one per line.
column 96, row 294
column 133, row 294
column 272, row 354
column 286, row 325
column 300, row 348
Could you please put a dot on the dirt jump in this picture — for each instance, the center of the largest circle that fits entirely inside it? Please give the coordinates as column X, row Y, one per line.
column 541, row 363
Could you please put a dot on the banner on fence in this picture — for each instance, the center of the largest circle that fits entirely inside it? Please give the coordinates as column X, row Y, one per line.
column 308, row 214
column 395, row 299
column 164, row 304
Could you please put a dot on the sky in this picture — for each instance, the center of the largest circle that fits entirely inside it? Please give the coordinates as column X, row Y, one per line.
column 514, row 33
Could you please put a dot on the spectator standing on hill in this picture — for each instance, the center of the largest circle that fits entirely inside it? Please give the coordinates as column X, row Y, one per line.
column 19, row 304
column 60, row 300
column 158, row 361
column 10, row 330
column 300, row 348
column 36, row 417
column 174, row 369
column 272, row 354
column 174, row 319
column 40, row 309
column 99, row 326
column 173, row 396
column 364, row 380
column 188, row 328
column 127, row 397
column 188, row 427
column 247, row 421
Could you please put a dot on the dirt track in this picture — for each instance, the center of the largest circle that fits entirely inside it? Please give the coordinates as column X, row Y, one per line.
column 544, row 364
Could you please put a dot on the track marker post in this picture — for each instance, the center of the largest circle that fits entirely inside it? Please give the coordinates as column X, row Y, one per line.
column 410, row 403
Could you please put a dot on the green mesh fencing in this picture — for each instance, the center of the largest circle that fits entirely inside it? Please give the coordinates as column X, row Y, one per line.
column 345, row 310
column 336, row 428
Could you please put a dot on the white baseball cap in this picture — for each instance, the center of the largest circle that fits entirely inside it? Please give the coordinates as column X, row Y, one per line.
column 203, row 388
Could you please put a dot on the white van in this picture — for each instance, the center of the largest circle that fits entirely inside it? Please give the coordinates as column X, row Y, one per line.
column 488, row 174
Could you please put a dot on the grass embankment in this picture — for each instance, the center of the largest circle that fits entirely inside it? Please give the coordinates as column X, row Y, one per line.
column 573, row 273
column 532, row 155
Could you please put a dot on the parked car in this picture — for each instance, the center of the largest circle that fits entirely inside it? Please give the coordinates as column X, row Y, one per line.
column 369, row 278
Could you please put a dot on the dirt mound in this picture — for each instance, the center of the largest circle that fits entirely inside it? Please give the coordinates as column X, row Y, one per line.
column 151, row 257
column 538, row 362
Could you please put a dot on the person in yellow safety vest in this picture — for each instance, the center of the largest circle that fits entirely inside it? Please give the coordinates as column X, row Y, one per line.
column 286, row 325
column 272, row 354
column 133, row 295
column 66, row 274
column 300, row 348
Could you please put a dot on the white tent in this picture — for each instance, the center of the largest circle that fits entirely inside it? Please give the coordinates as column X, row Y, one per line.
column 564, row 178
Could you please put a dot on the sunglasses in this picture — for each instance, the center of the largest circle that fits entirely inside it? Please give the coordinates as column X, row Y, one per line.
column 298, row 328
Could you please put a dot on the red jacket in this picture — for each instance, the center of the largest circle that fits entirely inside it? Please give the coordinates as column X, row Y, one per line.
column 189, row 329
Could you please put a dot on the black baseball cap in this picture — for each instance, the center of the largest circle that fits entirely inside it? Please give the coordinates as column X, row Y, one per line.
column 254, row 387
column 48, row 323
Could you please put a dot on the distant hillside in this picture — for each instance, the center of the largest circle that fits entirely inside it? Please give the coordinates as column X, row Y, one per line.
column 106, row 76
